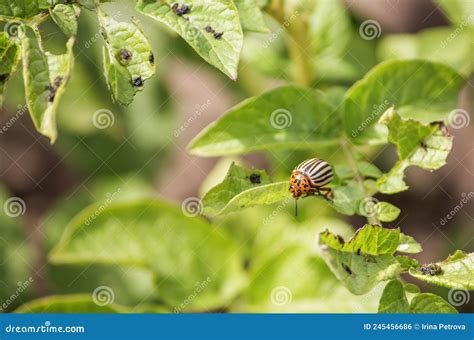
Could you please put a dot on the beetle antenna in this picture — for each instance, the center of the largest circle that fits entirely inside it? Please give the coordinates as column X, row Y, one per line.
column 296, row 207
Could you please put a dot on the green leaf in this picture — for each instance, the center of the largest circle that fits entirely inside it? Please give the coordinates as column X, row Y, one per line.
column 328, row 40
column 251, row 16
column 79, row 303
column 427, row 303
column 396, row 84
column 408, row 245
column 386, row 212
column 65, row 16
column 411, row 288
column 393, row 299
column 89, row 4
column 286, row 117
column 440, row 44
column 128, row 60
column 459, row 12
column 347, row 198
column 365, row 260
column 367, row 169
column 157, row 236
column 19, row 9
column 293, row 280
column 457, row 271
column 9, row 58
column 371, row 240
column 219, row 16
column 425, row 146
column 243, row 188
column 46, row 76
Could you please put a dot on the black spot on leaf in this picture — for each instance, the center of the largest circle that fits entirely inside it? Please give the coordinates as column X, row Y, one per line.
column 255, row 179
column 137, row 81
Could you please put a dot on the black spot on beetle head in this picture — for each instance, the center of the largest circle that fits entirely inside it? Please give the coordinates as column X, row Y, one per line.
column 137, row 81
column 255, row 179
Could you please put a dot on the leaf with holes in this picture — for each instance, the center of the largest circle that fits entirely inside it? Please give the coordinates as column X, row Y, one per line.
column 11, row 9
column 211, row 27
column 158, row 237
column 46, row 76
column 457, row 271
column 425, row 146
column 288, row 117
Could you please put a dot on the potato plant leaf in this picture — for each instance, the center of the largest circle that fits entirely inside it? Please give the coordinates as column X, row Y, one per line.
column 457, row 271
column 365, row 260
column 46, row 76
column 396, row 84
column 211, row 27
column 77, row 303
column 408, row 244
column 9, row 58
column 10, row 9
column 425, row 146
column 159, row 237
column 65, row 16
column 386, row 212
column 393, row 299
column 427, row 303
column 459, row 12
column 286, row 117
column 242, row 188
column 128, row 58
column 251, row 16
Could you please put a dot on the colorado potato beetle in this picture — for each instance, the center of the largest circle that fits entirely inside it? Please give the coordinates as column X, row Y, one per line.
column 309, row 178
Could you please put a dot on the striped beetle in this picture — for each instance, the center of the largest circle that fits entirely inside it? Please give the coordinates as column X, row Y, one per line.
column 309, row 178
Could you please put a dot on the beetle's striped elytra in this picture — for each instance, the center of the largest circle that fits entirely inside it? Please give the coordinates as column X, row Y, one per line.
column 310, row 177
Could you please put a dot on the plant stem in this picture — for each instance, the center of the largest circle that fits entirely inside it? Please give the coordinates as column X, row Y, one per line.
column 298, row 41
column 349, row 153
